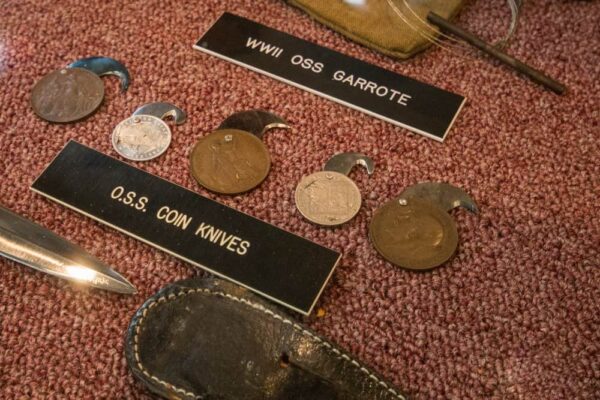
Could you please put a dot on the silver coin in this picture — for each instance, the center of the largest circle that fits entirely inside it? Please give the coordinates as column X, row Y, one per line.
column 327, row 198
column 141, row 137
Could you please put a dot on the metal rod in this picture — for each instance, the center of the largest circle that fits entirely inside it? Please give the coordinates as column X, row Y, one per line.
column 535, row 75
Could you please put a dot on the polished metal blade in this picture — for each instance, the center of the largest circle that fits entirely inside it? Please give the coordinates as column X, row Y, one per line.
column 256, row 122
column 104, row 66
column 163, row 110
column 344, row 162
column 35, row 246
column 443, row 194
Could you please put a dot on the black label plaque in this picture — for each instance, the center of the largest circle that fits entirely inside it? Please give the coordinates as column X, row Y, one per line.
column 394, row 98
column 279, row 265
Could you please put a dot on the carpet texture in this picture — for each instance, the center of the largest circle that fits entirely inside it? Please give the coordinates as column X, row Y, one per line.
column 513, row 316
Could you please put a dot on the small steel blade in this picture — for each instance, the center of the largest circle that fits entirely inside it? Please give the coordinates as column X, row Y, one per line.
column 256, row 122
column 443, row 194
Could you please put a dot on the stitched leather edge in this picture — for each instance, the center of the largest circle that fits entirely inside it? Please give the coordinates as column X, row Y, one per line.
column 171, row 296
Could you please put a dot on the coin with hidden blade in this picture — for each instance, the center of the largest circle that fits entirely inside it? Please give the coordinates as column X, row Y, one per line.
column 145, row 135
column 67, row 95
column 413, row 234
column 76, row 91
column 230, row 161
column 233, row 159
column 329, row 197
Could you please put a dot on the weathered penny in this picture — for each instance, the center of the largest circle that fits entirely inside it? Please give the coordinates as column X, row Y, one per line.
column 141, row 137
column 413, row 234
column 230, row 161
column 327, row 198
column 67, row 95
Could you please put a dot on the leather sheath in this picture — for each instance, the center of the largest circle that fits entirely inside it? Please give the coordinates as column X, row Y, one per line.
column 210, row 339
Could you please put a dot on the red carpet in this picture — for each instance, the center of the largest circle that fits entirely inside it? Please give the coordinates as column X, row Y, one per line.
column 513, row 316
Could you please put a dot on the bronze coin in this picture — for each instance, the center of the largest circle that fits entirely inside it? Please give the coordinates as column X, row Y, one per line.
column 413, row 234
column 230, row 161
column 67, row 95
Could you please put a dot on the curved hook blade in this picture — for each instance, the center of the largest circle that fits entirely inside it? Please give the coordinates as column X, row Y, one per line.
column 256, row 122
column 443, row 194
column 344, row 162
column 163, row 110
column 104, row 66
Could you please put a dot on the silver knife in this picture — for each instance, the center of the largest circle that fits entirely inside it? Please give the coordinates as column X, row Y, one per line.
column 35, row 246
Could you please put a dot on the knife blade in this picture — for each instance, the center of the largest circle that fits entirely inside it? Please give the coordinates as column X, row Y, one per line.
column 30, row 244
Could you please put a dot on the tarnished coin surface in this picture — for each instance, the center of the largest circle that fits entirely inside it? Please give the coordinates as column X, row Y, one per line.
column 141, row 137
column 327, row 198
column 67, row 95
column 413, row 234
column 230, row 161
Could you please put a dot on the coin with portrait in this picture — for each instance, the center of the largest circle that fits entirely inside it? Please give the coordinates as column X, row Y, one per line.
column 413, row 234
column 141, row 137
column 67, row 95
column 230, row 161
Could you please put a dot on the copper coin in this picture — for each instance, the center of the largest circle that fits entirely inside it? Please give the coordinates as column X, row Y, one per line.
column 413, row 234
column 327, row 198
column 230, row 161
column 67, row 95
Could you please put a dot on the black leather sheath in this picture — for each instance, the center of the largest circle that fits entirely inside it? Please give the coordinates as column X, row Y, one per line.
column 210, row 339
